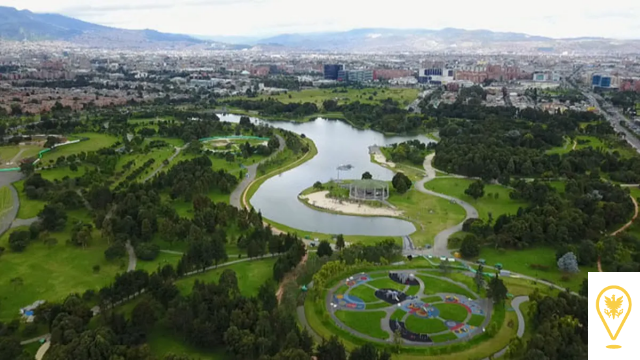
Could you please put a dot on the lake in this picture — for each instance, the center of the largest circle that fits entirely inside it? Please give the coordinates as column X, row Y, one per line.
column 338, row 144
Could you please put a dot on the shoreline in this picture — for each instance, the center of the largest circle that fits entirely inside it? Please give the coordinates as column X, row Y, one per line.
column 360, row 210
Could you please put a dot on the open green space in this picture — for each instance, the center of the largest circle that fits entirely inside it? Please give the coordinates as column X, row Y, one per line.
column 398, row 314
column 486, row 204
column 162, row 260
column 364, row 292
column 525, row 262
column 250, row 274
column 367, row 323
column 434, row 285
column 412, row 290
column 378, row 305
column 430, row 214
column 592, row 141
column 424, row 326
column 318, row 96
column 6, row 201
column 476, row 320
column 162, row 342
column 451, row 311
column 431, row 299
column 52, row 272
column 59, row 173
column 387, row 283
column 568, row 145
column 11, row 155
column 444, row 337
column 96, row 141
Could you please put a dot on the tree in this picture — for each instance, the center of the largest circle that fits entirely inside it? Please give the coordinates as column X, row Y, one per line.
column 27, row 168
column 365, row 352
column 587, row 253
column 115, row 251
column 475, row 189
column 53, row 217
column 146, row 251
column 445, row 267
column 331, row 350
column 144, row 314
column 470, row 247
column 324, row 249
column 318, row 185
column 367, row 176
column 397, row 341
column 584, row 288
column 568, row 263
column 18, row 240
column 478, row 279
column 497, row 291
column 401, row 182
column 340, row 242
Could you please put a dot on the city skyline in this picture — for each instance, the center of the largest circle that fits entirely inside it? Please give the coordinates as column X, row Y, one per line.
column 264, row 18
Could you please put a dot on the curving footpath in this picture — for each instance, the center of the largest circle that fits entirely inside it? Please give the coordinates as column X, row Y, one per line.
column 441, row 239
column 515, row 304
column 237, row 194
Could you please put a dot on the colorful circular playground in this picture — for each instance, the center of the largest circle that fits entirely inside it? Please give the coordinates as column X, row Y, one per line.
column 423, row 308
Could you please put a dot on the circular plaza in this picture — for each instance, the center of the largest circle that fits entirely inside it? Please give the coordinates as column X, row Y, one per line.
column 423, row 308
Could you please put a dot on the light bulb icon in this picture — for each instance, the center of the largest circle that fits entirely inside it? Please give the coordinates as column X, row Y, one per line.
column 614, row 306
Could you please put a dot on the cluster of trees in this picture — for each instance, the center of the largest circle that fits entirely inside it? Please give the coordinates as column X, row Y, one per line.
column 271, row 107
column 413, row 151
column 387, row 116
column 560, row 329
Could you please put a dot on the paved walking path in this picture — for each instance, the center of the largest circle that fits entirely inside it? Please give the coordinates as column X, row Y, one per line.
column 162, row 165
column 6, row 219
column 236, row 195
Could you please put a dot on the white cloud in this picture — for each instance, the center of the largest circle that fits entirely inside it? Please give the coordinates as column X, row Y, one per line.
column 565, row 18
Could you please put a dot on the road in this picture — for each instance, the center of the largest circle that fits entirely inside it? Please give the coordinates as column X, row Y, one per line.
column 6, row 219
column 614, row 117
column 236, row 195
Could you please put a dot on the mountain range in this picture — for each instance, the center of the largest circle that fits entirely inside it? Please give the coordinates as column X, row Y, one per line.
column 24, row 25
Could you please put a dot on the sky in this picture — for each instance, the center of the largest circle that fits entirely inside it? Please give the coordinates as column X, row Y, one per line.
column 262, row 18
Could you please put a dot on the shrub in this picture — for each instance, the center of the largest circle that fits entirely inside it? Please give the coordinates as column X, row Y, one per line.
column 147, row 251
column 18, row 240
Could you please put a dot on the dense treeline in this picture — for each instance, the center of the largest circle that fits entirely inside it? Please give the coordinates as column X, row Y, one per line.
column 560, row 329
column 272, row 107
column 413, row 151
column 387, row 117
column 496, row 147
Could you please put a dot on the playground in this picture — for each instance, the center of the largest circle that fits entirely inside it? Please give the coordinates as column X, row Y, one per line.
column 376, row 305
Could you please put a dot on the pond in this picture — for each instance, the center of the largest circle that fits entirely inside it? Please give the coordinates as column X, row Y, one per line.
column 338, row 144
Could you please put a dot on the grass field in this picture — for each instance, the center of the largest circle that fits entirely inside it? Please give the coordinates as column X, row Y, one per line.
column 430, row 214
column 424, row 326
column 251, row 275
column 431, row 299
column 162, row 260
column 365, row 293
column 486, row 204
column 593, row 142
column 60, row 173
column 96, row 141
column 434, row 286
column 367, row 323
column 452, row 311
column 6, row 201
column 443, row 337
column 318, row 96
column 476, row 320
column 412, row 290
column 520, row 261
column 9, row 158
column 28, row 208
column 52, row 273
column 387, row 284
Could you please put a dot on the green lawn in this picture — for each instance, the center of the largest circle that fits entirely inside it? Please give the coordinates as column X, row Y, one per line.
column 424, row 326
column 8, row 154
column 365, row 293
column 162, row 342
column 520, row 261
column 52, row 273
column 593, row 142
column 444, row 337
column 431, row 299
column 430, row 214
column 162, row 260
column 60, row 173
column 367, row 323
column 449, row 311
column 486, row 204
column 398, row 314
column 318, row 96
column 6, row 201
column 251, row 275
column 412, row 290
column 387, row 283
column 434, row 286
column 28, row 208
column 96, row 141
column 476, row 320
column 568, row 144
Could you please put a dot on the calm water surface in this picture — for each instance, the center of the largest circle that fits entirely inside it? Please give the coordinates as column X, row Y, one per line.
column 338, row 143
